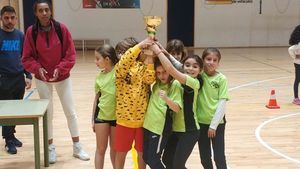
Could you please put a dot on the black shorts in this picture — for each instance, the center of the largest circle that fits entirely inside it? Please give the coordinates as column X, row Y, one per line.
column 97, row 121
column 110, row 122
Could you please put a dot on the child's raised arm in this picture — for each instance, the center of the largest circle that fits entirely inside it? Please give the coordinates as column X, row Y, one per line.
column 181, row 77
column 130, row 56
column 178, row 65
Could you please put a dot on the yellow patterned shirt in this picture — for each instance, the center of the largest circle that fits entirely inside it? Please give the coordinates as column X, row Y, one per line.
column 133, row 80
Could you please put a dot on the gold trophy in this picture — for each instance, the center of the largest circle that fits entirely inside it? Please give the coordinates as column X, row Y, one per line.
column 151, row 23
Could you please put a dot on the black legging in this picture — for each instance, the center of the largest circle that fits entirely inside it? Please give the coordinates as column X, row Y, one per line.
column 297, row 79
column 179, row 147
column 218, row 145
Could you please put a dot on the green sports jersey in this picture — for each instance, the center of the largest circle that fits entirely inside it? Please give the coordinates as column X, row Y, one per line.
column 156, row 111
column 186, row 119
column 105, row 85
column 214, row 88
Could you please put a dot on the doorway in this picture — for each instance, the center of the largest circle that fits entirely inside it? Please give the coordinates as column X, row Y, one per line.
column 181, row 21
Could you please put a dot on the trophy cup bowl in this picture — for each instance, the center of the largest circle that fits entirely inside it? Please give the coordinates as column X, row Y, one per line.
column 153, row 20
column 151, row 23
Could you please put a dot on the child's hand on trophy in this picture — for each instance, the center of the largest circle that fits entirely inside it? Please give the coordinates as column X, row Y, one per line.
column 156, row 49
column 162, row 48
column 146, row 43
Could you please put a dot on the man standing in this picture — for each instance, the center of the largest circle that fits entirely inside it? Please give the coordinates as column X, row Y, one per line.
column 49, row 54
column 12, row 81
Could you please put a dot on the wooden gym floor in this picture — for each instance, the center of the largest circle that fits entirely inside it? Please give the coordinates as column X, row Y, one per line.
column 256, row 137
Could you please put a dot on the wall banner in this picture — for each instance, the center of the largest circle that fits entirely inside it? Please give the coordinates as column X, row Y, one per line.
column 111, row 3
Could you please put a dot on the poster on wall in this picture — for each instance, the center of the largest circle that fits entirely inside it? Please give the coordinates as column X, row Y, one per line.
column 111, row 3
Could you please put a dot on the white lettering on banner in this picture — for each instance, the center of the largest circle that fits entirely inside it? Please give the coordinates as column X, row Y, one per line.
column 242, row 1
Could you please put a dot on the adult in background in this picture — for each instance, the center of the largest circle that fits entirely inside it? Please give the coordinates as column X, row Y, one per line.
column 49, row 53
column 12, row 81
column 294, row 51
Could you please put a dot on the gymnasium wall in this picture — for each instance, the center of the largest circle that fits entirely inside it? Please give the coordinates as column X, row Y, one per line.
column 241, row 25
column 235, row 25
column 112, row 24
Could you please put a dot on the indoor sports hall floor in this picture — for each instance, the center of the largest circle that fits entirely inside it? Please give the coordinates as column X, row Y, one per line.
column 256, row 137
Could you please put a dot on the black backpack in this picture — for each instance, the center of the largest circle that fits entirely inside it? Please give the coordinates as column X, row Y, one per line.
column 58, row 31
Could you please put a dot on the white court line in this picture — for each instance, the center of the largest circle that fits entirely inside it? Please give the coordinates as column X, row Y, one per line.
column 254, row 83
column 257, row 82
column 250, row 84
column 258, row 137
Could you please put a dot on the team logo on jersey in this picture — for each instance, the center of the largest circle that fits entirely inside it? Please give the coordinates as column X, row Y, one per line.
column 214, row 84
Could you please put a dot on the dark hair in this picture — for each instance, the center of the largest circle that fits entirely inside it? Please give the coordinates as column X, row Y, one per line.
column 211, row 50
column 157, row 63
column 196, row 57
column 200, row 63
column 125, row 44
column 35, row 8
column 177, row 46
column 108, row 51
column 7, row 9
column 41, row 1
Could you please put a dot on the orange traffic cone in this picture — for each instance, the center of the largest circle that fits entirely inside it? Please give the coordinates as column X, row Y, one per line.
column 272, row 102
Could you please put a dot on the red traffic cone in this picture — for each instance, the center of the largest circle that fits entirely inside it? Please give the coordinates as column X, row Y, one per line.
column 272, row 102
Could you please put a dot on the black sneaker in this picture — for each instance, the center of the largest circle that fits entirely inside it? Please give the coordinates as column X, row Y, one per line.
column 10, row 147
column 17, row 142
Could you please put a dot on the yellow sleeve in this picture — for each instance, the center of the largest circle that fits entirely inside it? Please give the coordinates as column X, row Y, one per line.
column 127, row 59
column 149, row 75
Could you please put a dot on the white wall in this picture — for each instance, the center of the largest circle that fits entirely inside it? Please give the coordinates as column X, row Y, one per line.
column 235, row 25
column 241, row 25
column 113, row 24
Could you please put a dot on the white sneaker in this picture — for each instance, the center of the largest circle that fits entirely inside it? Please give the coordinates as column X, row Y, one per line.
column 78, row 152
column 52, row 154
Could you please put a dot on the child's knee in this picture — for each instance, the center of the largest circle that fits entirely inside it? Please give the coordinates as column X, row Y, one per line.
column 101, row 150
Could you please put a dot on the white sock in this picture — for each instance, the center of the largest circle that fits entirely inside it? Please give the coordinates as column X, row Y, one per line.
column 76, row 143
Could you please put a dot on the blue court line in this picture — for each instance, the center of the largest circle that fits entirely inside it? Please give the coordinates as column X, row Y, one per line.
column 29, row 94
